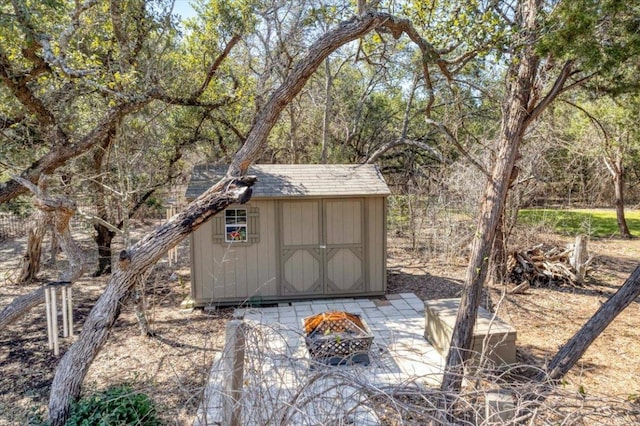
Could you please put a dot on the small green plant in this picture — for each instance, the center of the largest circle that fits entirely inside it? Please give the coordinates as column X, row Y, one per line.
column 118, row 405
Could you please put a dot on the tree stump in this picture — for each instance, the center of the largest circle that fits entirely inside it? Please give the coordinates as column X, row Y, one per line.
column 580, row 258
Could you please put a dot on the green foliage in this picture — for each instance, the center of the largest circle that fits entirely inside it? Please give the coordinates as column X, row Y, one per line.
column 601, row 35
column 598, row 223
column 118, row 405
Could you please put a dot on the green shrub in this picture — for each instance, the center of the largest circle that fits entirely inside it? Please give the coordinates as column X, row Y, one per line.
column 118, row 405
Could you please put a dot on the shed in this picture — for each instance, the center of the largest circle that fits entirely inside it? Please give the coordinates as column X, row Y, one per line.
column 309, row 231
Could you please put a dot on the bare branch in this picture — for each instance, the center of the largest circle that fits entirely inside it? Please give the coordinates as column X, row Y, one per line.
column 214, row 66
column 297, row 78
column 552, row 95
column 404, row 141
column 447, row 133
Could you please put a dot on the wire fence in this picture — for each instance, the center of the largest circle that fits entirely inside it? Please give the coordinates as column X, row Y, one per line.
column 14, row 226
column 11, row 226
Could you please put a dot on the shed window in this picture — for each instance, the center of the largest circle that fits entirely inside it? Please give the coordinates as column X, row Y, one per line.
column 237, row 225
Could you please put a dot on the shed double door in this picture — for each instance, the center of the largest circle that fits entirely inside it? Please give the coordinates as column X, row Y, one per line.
column 322, row 247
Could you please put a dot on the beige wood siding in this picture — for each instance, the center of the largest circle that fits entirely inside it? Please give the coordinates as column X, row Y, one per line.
column 376, row 243
column 304, row 248
column 235, row 271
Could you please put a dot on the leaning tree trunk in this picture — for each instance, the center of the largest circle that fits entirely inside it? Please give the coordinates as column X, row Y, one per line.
column 133, row 263
column 519, row 111
column 573, row 350
column 140, row 257
column 515, row 119
column 33, row 254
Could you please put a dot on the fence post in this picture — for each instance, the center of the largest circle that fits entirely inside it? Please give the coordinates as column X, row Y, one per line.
column 500, row 407
column 233, row 363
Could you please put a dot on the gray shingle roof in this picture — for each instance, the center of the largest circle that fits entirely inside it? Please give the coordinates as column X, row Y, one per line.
column 300, row 180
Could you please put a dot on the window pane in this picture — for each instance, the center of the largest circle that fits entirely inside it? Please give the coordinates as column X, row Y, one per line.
column 236, row 233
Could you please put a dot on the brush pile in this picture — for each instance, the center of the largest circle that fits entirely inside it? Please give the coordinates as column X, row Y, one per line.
column 541, row 266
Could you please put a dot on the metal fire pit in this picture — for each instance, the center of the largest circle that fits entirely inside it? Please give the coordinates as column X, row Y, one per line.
column 338, row 338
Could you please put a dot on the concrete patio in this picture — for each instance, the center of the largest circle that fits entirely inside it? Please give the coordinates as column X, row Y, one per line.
column 282, row 385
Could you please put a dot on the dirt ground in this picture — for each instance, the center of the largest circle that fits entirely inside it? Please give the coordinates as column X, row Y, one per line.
column 172, row 366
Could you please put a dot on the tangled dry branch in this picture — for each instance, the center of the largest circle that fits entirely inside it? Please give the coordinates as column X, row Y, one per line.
column 283, row 388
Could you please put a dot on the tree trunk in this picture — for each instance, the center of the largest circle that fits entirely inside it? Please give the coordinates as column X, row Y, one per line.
column 133, row 262
column 328, row 84
column 103, row 239
column 140, row 306
column 618, row 183
column 573, row 350
column 514, row 123
column 580, row 258
column 498, row 261
column 104, row 235
column 31, row 258
column 54, row 248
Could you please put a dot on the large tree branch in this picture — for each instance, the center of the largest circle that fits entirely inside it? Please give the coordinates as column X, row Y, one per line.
column 215, row 65
column 134, row 261
column 404, row 141
column 59, row 154
column 552, row 95
column 345, row 32
column 17, row 84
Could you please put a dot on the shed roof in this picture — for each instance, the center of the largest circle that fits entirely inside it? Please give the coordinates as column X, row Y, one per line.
column 299, row 180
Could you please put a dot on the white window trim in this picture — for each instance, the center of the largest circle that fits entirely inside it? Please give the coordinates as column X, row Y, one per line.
column 227, row 226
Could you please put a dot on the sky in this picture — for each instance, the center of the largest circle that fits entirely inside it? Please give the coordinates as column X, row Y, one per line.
column 183, row 8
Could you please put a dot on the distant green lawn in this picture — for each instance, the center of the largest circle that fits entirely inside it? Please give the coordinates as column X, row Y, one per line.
column 600, row 223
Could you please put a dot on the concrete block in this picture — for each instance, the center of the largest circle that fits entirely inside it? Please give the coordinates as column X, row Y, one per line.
column 440, row 317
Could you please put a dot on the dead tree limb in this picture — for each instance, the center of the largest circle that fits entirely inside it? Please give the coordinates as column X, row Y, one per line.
column 573, row 350
column 33, row 252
